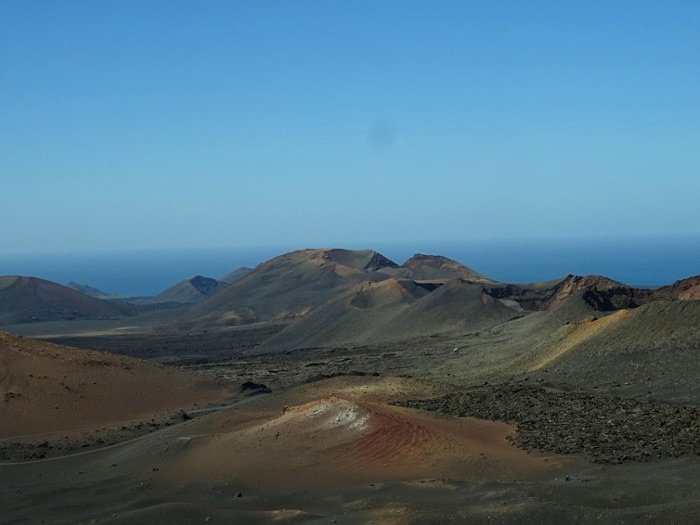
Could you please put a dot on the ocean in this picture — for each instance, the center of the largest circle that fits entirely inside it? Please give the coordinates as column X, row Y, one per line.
column 638, row 261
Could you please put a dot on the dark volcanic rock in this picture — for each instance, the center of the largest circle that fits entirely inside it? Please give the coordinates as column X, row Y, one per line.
column 253, row 389
column 604, row 429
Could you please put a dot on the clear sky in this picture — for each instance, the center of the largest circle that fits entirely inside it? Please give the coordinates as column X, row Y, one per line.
column 169, row 124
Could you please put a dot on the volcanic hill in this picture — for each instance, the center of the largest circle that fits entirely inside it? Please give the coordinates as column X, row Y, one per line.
column 190, row 291
column 290, row 285
column 29, row 299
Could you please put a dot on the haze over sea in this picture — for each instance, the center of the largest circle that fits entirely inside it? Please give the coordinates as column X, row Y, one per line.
column 639, row 261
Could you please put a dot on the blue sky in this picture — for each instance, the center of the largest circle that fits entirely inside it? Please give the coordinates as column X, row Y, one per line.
column 126, row 125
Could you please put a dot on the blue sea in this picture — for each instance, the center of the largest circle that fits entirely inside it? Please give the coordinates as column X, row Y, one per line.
column 639, row 261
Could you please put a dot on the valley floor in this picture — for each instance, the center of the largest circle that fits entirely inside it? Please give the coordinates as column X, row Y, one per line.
column 330, row 444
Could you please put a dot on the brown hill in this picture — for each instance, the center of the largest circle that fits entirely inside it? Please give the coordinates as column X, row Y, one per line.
column 293, row 284
column 599, row 293
column 27, row 299
column 189, row 291
column 47, row 387
column 357, row 316
column 455, row 307
column 393, row 310
column 435, row 267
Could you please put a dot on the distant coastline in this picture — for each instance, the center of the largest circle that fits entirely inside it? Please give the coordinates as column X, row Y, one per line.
column 637, row 261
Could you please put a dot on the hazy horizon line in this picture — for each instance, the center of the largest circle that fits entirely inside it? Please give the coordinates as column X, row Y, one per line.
column 354, row 245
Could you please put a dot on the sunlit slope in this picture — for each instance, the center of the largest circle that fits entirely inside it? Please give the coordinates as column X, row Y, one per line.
column 47, row 387
column 651, row 350
column 292, row 284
